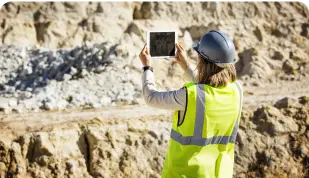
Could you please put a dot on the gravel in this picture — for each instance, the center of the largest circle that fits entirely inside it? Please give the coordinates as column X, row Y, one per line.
column 82, row 77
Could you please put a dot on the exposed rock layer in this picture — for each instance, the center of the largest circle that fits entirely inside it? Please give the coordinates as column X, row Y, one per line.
column 272, row 142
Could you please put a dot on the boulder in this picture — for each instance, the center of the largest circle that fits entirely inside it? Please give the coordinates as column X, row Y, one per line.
column 298, row 55
column 140, row 27
column 19, row 33
column 276, row 54
column 289, row 67
column 187, row 40
column 286, row 103
column 105, row 100
column 271, row 121
column 143, row 10
column 252, row 64
column 258, row 32
column 198, row 31
column 46, row 150
column 304, row 100
column 305, row 30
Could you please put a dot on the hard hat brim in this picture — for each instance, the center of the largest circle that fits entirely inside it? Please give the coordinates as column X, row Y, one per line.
column 196, row 49
column 206, row 58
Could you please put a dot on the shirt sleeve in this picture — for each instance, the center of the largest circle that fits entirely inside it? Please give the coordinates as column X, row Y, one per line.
column 173, row 100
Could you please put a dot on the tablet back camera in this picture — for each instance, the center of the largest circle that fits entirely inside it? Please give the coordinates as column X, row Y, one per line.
column 162, row 44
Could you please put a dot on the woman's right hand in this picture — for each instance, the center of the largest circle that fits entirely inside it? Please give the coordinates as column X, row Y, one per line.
column 181, row 57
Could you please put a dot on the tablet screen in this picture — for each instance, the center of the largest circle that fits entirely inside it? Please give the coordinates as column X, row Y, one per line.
column 162, row 44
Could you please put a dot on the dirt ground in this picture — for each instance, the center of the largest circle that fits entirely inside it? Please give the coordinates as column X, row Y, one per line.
column 254, row 96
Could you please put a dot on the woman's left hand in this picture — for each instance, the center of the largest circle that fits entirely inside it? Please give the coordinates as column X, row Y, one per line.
column 144, row 56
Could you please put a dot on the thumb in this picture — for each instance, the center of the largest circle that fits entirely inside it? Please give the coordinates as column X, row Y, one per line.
column 147, row 52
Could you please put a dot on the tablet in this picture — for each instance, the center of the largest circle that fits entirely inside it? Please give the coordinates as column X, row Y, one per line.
column 162, row 44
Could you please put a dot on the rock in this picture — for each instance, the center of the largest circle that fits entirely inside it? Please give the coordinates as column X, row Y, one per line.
column 67, row 77
column 258, row 33
column 121, row 51
column 3, row 169
column 304, row 100
column 43, row 146
column 299, row 56
column 289, row 67
column 305, row 30
column 4, row 105
column 187, row 39
column 143, row 11
column 29, row 104
column 197, row 32
column 74, row 51
column 12, row 103
column 285, row 103
column 277, row 55
column 49, row 104
column 95, row 105
column 84, row 73
column 85, row 55
column 253, row 65
column 271, row 121
column 105, row 101
column 137, row 146
column 75, row 8
column 20, row 33
column 47, row 149
column 62, row 104
column 140, row 27
column 5, row 155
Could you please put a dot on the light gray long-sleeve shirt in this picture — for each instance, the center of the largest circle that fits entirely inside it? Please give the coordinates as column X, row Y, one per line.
column 173, row 99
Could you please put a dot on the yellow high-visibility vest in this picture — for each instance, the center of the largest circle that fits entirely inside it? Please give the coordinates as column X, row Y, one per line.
column 202, row 145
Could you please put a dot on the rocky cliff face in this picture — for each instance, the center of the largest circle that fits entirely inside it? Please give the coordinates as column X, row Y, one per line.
column 272, row 142
column 99, row 45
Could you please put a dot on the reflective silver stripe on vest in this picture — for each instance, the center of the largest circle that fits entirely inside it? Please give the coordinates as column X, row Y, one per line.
column 200, row 111
column 197, row 139
column 192, row 140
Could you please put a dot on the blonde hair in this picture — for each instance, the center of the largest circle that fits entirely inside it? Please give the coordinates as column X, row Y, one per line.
column 213, row 75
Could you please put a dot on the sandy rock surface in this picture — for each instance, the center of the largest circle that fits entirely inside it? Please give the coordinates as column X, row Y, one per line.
column 126, row 145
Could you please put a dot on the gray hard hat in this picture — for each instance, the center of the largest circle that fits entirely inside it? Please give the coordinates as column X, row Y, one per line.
column 217, row 47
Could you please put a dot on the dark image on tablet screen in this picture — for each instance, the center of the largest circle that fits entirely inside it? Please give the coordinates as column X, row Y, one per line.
column 162, row 44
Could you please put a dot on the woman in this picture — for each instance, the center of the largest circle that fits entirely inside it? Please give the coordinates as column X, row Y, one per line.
column 206, row 113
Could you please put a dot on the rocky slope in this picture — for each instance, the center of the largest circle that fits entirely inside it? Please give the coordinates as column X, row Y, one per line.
column 62, row 59
column 97, row 64
column 272, row 142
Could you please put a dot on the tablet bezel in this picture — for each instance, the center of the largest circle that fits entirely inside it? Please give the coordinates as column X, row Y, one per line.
column 148, row 42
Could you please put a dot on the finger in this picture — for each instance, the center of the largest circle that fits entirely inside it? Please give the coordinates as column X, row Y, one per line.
column 147, row 52
column 181, row 46
column 178, row 47
column 143, row 49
